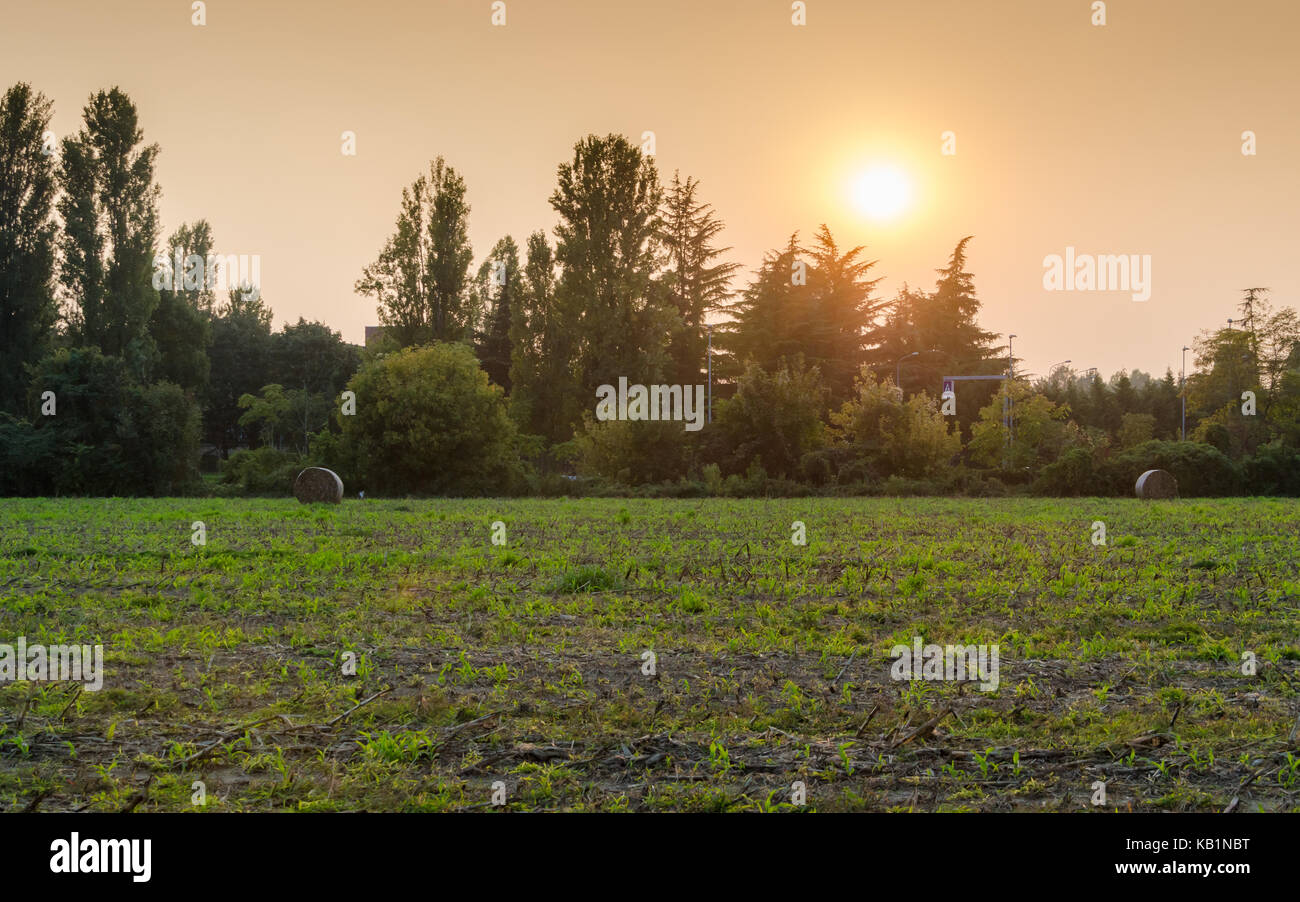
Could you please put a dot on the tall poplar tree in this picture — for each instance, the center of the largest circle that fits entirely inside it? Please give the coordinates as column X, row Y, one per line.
column 608, row 201
column 497, row 287
column 421, row 276
column 28, row 235
column 110, row 226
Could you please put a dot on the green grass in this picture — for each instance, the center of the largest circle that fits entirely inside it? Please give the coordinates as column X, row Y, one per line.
column 385, row 655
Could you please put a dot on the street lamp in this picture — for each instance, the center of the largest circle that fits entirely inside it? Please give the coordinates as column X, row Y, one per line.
column 1057, row 366
column 1182, row 382
column 1006, row 402
column 710, row 327
column 898, row 370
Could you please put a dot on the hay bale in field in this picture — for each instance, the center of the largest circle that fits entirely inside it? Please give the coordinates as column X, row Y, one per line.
column 1157, row 484
column 317, row 484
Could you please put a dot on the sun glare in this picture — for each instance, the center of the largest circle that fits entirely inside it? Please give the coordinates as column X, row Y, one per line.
column 882, row 192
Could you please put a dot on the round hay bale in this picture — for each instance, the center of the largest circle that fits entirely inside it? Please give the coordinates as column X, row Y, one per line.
column 317, row 484
column 1157, row 484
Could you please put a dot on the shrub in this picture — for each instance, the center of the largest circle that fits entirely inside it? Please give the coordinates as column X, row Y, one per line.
column 428, row 421
column 1273, row 470
column 1072, row 474
column 909, row 438
column 1200, row 469
column 109, row 435
column 262, row 471
column 772, row 421
column 634, row 452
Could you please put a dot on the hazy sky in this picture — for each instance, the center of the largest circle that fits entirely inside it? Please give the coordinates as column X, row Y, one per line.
column 1121, row 139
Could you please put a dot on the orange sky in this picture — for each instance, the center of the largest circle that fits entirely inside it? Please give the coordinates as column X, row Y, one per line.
column 1122, row 139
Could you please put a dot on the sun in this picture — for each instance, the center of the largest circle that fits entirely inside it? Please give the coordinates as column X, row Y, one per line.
column 882, row 192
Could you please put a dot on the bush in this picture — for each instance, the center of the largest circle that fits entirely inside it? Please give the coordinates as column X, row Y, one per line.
column 428, row 422
column 634, row 452
column 1200, row 469
column 263, row 471
column 1274, row 470
column 1072, row 474
column 772, row 421
column 26, row 454
column 108, row 435
column 909, row 438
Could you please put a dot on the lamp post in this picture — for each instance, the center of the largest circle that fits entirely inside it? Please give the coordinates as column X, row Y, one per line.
column 1182, row 384
column 1057, row 366
column 1011, row 376
column 710, row 327
column 898, row 370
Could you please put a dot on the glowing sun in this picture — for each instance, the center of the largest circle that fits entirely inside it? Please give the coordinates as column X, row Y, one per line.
column 882, row 192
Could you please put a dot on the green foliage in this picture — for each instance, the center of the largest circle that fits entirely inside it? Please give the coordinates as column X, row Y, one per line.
column 941, row 326
column 312, row 357
column 695, row 282
column 1135, row 429
column 635, row 452
column 1038, row 433
column 284, row 418
column 543, row 389
column 909, row 438
column 1069, row 475
column 421, row 275
column 181, row 333
column 110, row 222
column 814, row 304
column 607, row 199
column 772, row 421
column 26, row 457
column 262, row 471
column 241, row 364
column 428, row 421
column 109, row 436
column 1273, row 470
column 496, row 290
column 1200, row 470
column 27, row 240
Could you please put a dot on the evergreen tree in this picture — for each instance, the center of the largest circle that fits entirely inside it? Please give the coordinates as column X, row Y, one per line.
column 941, row 327
column 771, row 318
column 696, row 283
column 843, row 312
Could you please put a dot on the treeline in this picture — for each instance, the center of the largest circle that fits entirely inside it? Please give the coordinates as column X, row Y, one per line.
column 119, row 358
